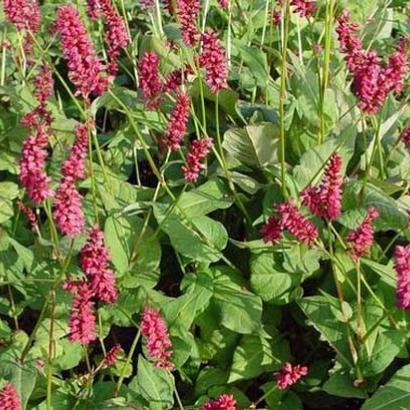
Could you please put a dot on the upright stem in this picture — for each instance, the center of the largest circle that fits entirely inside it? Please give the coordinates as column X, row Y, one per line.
column 282, row 95
column 326, row 65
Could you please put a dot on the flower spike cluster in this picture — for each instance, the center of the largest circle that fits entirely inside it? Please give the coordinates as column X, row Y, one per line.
column 112, row 356
column 223, row 402
column 94, row 261
column 9, row 399
column 198, row 151
column 289, row 374
column 25, row 16
column 362, row 237
column 150, row 82
column 325, row 201
column 82, row 315
column 213, row 59
column 402, row 266
column 116, row 36
column 187, row 15
column 68, row 212
column 405, row 136
column 85, row 69
column 33, row 174
column 159, row 346
column 98, row 285
column 292, row 220
column 305, row 8
column 372, row 80
column 177, row 125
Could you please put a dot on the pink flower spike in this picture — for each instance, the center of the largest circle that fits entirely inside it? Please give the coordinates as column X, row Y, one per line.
column 188, row 13
column 223, row 402
column 304, row 8
column 32, row 166
column 405, row 136
column 93, row 9
column 402, row 267
column 159, row 346
column 198, row 151
column 299, row 226
column 82, row 315
column 94, row 261
column 361, row 238
column 224, row 3
column 213, row 59
column 325, row 201
column 289, row 375
column 177, row 125
column 150, row 83
column 9, row 399
column 85, row 69
column 30, row 215
column 68, row 213
column 272, row 230
column 74, row 165
column 112, row 355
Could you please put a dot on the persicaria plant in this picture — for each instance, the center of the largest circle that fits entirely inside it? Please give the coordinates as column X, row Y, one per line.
column 204, row 205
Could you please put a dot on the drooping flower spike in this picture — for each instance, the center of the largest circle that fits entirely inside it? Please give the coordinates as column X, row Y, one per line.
column 158, row 343
column 187, row 11
column 290, row 374
column 223, row 402
column 150, row 82
column 198, row 151
column 402, row 267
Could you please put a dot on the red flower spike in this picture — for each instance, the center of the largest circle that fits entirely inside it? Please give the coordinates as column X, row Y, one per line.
column 9, row 399
column 402, row 267
column 289, row 374
column 223, row 402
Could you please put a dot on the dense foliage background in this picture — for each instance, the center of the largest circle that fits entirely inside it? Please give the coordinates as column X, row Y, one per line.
column 181, row 229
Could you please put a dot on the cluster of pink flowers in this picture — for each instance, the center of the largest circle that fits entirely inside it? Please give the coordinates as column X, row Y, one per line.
column 68, row 212
column 372, row 80
column 30, row 215
column 402, row 266
column 33, row 174
column 32, row 166
column 116, row 36
column 289, row 374
column 304, row 8
column 82, row 315
column 213, row 59
column 325, row 201
column 174, row 79
column 24, row 15
column 292, row 220
column 85, row 69
column 159, row 345
column 187, row 15
column 9, row 399
column 223, row 402
column 94, row 263
column 362, row 237
column 224, row 3
column 112, row 356
column 93, row 9
column 198, row 151
column 405, row 136
column 150, row 81
column 98, row 285
column 177, row 125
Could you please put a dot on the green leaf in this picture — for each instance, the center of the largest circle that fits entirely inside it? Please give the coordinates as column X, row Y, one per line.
column 188, row 237
column 256, row 354
column 254, row 145
column 205, row 199
column 132, row 254
column 320, row 312
column 8, row 191
column 154, row 384
column 241, row 310
column 257, row 62
column 341, row 384
column 394, row 395
column 269, row 281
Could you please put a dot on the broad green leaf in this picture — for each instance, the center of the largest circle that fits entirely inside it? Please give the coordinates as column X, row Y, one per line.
column 395, row 394
column 253, row 145
column 154, row 384
column 320, row 312
column 134, row 255
column 269, row 281
column 8, row 191
column 200, row 238
column 341, row 384
column 256, row 354
column 256, row 60
column 240, row 309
